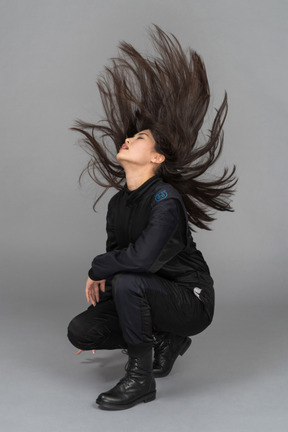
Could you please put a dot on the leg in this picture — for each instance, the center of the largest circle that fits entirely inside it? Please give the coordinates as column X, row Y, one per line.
column 173, row 311
column 145, row 301
column 98, row 327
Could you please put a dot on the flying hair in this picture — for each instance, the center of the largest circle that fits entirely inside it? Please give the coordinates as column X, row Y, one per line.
column 169, row 94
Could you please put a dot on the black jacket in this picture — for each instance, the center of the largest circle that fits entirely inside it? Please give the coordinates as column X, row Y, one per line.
column 148, row 232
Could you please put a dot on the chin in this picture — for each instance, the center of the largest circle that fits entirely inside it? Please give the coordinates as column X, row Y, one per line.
column 119, row 159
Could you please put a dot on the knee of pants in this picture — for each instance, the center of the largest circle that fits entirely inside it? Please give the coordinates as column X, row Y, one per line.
column 75, row 332
column 81, row 336
column 127, row 285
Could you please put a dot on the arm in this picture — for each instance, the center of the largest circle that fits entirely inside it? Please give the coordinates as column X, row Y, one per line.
column 92, row 287
column 159, row 242
column 111, row 242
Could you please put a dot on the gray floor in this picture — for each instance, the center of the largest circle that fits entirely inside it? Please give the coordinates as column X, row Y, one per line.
column 233, row 378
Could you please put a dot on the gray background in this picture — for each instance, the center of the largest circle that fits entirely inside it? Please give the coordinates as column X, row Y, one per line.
column 234, row 377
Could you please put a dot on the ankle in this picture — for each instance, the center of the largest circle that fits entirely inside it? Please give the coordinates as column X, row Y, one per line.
column 139, row 350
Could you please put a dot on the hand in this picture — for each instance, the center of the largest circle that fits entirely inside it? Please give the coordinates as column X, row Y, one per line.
column 92, row 290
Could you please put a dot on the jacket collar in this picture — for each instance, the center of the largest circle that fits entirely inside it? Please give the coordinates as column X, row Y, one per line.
column 133, row 196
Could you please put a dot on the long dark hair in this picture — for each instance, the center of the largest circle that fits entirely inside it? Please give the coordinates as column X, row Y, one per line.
column 168, row 94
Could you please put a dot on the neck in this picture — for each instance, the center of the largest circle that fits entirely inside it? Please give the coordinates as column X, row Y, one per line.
column 135, row 179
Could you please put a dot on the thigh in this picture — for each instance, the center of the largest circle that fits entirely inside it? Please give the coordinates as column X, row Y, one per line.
column 174, row 308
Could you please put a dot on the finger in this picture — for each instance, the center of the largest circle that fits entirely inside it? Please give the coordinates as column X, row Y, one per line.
column 79, row 352
column 102, row 286
column 87, row 291
column 96, row 292
column 88, row 297
column 92, row 297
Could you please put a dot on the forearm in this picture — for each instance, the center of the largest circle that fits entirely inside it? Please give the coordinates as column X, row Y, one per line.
column 159, row 242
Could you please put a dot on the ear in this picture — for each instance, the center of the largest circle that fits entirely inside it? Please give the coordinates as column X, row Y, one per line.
column 159, row 158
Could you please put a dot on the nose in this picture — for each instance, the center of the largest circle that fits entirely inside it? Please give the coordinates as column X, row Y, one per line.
column 127, row 140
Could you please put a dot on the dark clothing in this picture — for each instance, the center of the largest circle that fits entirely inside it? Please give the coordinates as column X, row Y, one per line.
column 132, row 308
column 148, row 232
column 156, row 279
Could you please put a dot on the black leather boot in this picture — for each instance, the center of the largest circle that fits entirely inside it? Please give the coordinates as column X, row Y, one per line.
column 138, row 384
column 167, row 347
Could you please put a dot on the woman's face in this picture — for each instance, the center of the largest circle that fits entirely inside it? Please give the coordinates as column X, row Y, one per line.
column 140, row 150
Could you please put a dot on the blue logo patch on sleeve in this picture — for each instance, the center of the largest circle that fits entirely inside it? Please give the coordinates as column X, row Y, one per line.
column 161, row 195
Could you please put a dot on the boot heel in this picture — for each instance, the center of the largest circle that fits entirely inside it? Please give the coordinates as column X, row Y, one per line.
column 185, row 346
column 150, row 397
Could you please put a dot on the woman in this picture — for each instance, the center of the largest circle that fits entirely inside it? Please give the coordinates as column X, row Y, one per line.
column 152, row 288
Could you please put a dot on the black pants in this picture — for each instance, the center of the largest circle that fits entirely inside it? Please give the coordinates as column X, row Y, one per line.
column 134, row 306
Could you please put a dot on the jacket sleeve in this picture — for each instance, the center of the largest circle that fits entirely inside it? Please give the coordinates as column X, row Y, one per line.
column 111, row 242
column 162, row 239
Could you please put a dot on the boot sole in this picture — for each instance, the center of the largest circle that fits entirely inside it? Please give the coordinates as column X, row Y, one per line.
column 183, row 348
column 146, row 398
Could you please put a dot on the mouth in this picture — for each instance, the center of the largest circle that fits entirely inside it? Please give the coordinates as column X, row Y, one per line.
column 124, row 147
